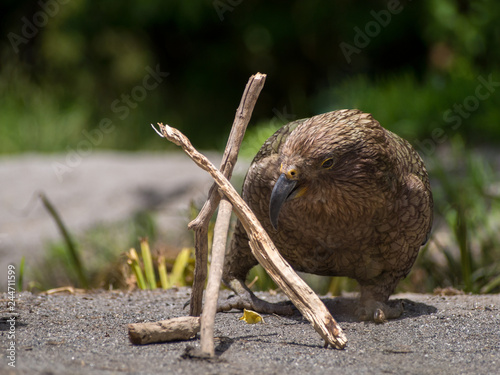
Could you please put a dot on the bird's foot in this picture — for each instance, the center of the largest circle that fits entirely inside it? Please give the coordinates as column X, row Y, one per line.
column 245, row 299
column 380, row 312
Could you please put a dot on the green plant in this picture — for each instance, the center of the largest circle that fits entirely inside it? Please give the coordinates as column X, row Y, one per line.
column 256, row 136
column 432, row 107
column 71, row 248
column 134, row 263
column 259, row 279
column 468, row 222
column 20, row 275
column 145, row 274
column 99, row 248
column 148, row 263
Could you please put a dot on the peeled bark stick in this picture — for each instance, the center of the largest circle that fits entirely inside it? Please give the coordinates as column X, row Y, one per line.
column 214, row 277
column 303, row 297
column 200, row 269
column 200, row 224
column 183, row 328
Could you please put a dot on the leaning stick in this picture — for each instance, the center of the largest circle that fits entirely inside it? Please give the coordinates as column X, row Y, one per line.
column 200, row 224
column 306, row 301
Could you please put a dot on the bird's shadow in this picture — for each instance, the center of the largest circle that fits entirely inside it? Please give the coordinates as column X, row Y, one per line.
column 343, row 309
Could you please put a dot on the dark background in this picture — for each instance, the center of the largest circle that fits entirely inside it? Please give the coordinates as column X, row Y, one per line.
column 63, row 76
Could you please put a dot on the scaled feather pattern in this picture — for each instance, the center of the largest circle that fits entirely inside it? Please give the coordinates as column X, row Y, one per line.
column 350, row 199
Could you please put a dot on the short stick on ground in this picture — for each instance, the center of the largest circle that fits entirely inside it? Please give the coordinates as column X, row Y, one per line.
column 303, row 297
column 183, row 328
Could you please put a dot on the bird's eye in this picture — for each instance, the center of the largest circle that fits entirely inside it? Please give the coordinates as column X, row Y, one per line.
column 328, row 163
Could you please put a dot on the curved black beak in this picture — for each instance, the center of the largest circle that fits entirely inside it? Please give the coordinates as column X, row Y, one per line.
column 281, row 192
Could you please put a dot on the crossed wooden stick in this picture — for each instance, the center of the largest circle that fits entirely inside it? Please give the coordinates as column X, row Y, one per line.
column 223, row 194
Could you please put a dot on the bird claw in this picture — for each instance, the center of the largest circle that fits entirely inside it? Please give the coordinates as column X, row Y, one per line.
column 245, row 299
column 379, row 312
column 379, row 316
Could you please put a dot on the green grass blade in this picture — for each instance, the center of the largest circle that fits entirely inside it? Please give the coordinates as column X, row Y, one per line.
column 180, row 264
column 20, row 275
column 148, row 264
column 493, row 284
column 133, row 261
column 70, row 246
column 162, row 271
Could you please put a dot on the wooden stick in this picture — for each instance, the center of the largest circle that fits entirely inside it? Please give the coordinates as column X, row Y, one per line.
column 214, row 277
column 183, row 328
column 200, row 224
column 303, row 297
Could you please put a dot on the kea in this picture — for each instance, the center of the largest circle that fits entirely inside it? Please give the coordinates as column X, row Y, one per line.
column 339, row 195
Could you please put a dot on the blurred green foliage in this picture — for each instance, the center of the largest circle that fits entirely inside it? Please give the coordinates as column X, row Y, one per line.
column 428, row 70
column 469, row 219
column 67, row 65
column 144, row 270
column 102, row 253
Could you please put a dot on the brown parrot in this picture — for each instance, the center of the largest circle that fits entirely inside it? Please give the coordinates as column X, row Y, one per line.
column 339, row 195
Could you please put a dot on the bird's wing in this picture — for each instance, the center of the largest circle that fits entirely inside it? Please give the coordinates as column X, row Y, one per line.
column 275, row 142
column 417, row 190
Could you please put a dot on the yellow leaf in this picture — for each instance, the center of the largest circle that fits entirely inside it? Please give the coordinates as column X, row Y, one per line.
column 251, row 317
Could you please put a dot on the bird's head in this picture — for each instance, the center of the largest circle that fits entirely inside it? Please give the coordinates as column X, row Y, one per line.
column 327, row 154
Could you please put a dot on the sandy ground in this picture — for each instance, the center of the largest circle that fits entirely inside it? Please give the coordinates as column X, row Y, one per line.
column 87, row 334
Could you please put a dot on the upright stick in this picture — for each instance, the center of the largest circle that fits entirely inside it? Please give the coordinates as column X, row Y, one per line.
column 200, row 224
column 214, row 277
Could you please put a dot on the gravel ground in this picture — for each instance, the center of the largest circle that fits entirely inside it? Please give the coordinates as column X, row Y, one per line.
column 86, row 334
